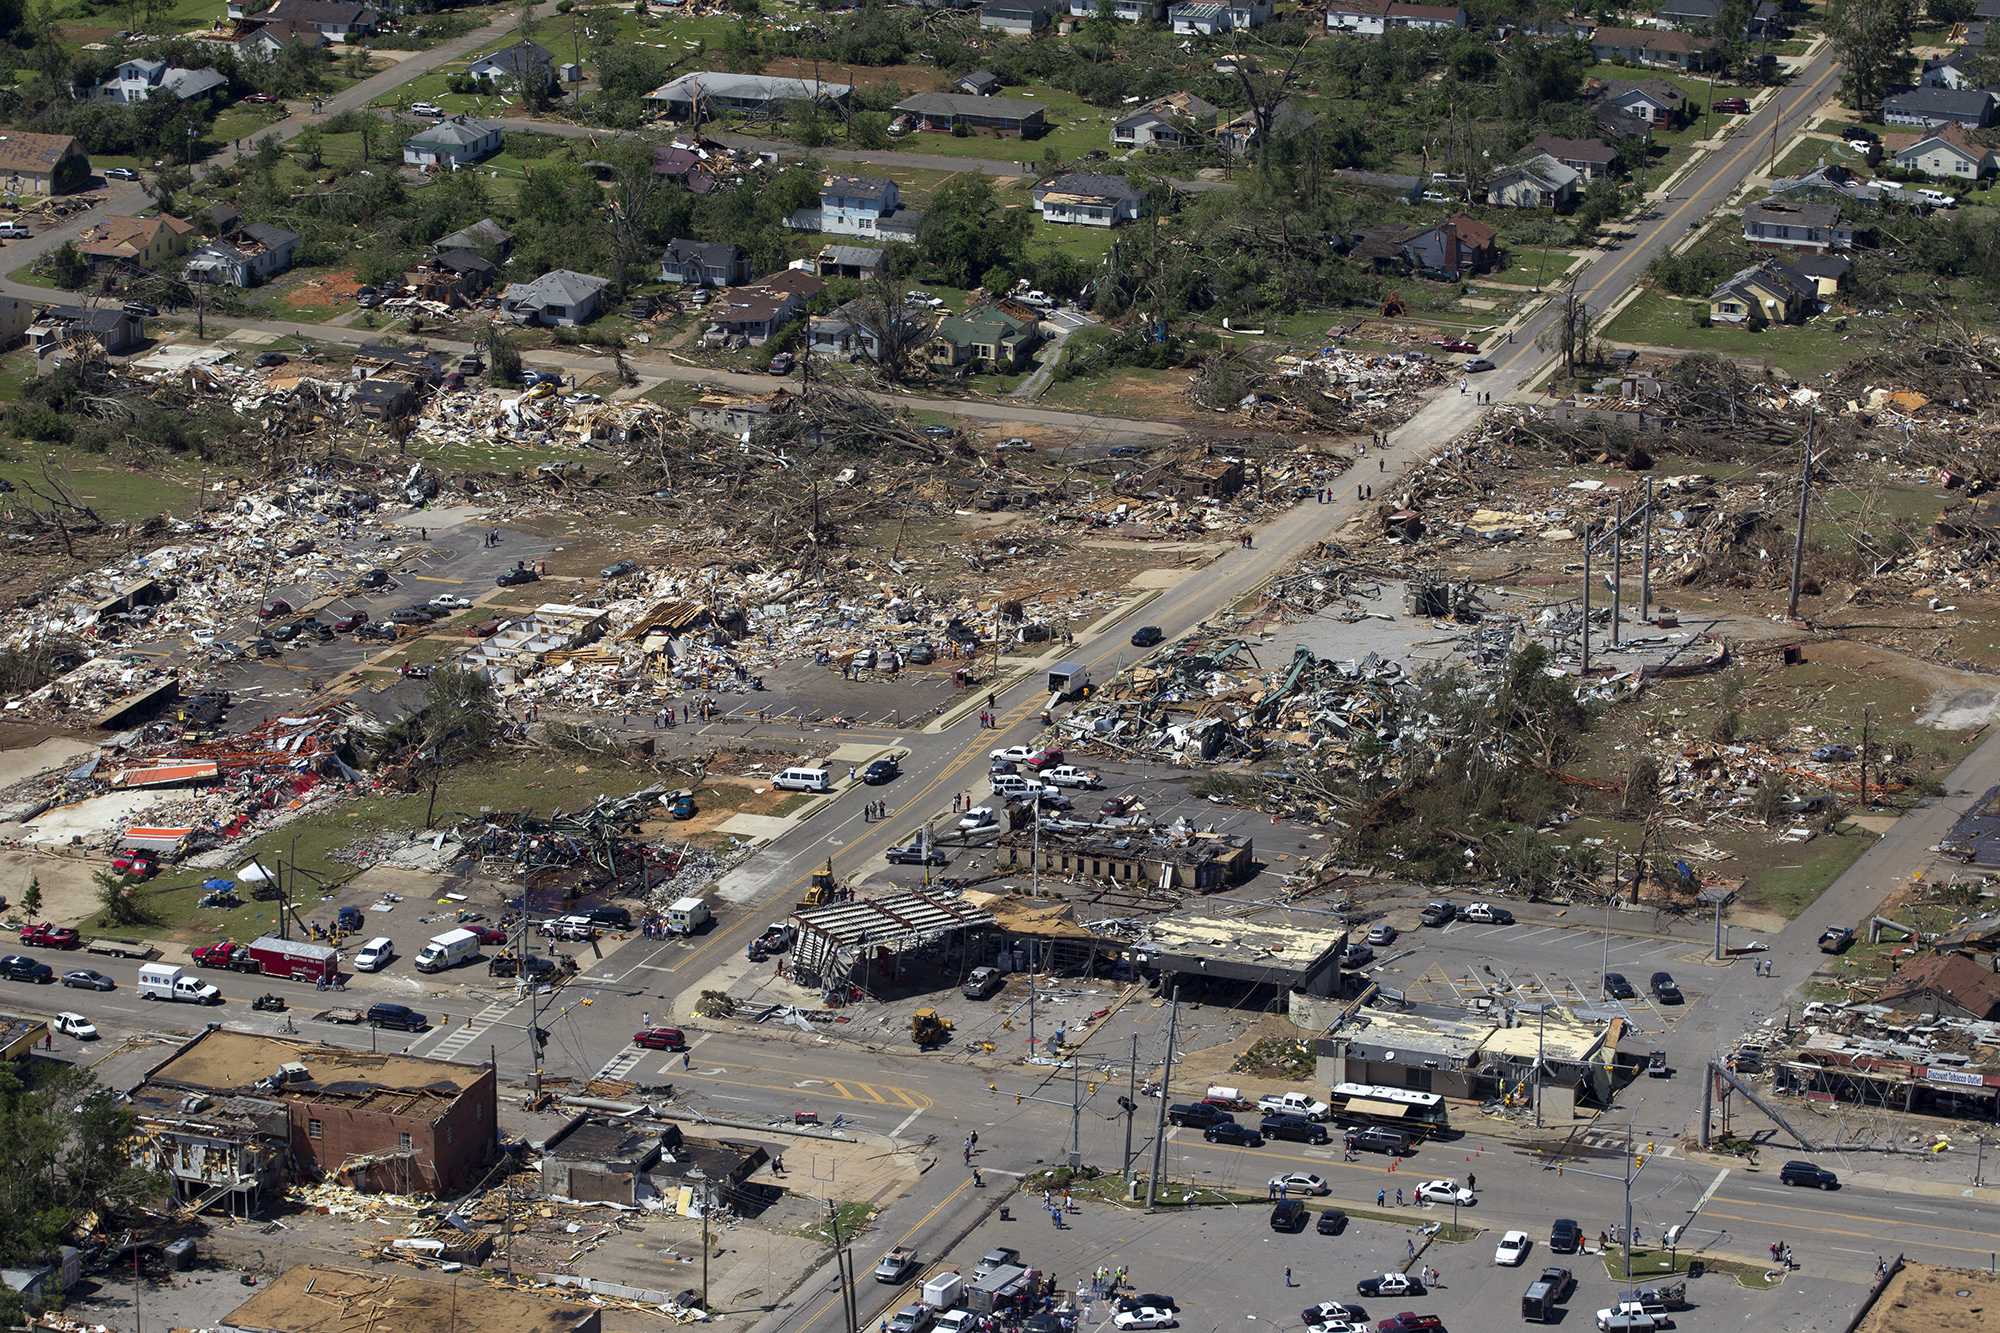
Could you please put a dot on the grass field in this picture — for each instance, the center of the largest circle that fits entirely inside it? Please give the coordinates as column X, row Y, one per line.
column 1075, row 128
column 116, row 492
column 1656, row 319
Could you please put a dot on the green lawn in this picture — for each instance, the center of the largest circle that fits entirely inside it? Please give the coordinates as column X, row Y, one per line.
column 1695, row 86
column 1806, row 154
column 1534, row 266
column 1656, row 319
column 118, row 493
column 241, row 121
column 1090, row 244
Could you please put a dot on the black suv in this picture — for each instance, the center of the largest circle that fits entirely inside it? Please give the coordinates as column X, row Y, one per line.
column 1230, row 1132
column 1146, row 636
column 1198, row 1115
column 1331, row 1222
column 1664, row 989
column 1617, row 987
column 19, row 967
column 881, row 771
column 396, row 1016
column 1565, row 1236
column 1283, row 1125
column 1290, row 1215
column 620, row 917
column 1805, row 1173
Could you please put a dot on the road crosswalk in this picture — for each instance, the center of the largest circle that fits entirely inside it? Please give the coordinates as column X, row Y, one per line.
column 475, row 1028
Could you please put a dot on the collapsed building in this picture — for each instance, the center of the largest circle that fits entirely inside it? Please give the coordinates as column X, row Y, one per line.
column 233, row 1119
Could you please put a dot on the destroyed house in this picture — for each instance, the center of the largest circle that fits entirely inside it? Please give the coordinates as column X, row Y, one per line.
column 452, row 277
column 1950, row 984
column 900, row 943
column 1188, row 863
column 129, row 240
column 684, row 167
column 138, row 80
column 755, row 314
column 1246, row 948
column 316, row 1298
column 1806, row 226
column 717, row 1162
column 706, row 94
column 1916, row 1078
column 737, row 417
column 336, row 20
column 231, row 1117
column 1178, row 120
column 850, row 330
column 1090, row 198
column 246, row 255
column 115, row 329
column 1472, row 1055
column 850, row 261
column 417, row 365
column 19, row 1036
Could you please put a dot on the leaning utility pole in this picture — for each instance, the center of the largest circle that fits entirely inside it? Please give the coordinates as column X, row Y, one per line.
column 1166, row 1081
column 1864, row 756
column 1131, row 1108
column 1799, row 537
column 840, row 1262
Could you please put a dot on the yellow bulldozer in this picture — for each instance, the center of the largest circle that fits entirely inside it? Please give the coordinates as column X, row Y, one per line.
column 824, row 889
column 929, row 1029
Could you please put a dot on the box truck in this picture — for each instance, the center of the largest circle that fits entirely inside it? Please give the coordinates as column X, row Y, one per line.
column 447, row 950
column 297, row 960
column 687, row 915
column 171, row 981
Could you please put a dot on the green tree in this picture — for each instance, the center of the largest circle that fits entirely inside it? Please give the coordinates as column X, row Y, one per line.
column 967, row 231
column 68, row 268
column 311, row 145
column 1871, row 39
column 869, row 129
column 120, row 901
column 503, row 363
column 459, row 722
column 64, row 1153
column 31, row 897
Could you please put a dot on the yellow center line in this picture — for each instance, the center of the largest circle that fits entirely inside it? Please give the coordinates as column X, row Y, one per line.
column 904, row 1239
column 1878, row 1237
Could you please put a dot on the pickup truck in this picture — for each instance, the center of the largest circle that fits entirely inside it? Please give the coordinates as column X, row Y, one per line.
column 225, row 954
column 897, row 1265
column 43, row 935
column 1630, row 1315
column 1835, row 938
column 1296, row 1103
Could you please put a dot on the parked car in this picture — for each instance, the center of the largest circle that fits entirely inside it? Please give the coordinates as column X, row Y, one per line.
column 1409, row 1321
column 1332, row 1312
column 1796, row 1172
column 1381, row 933
column 1299, row 1182
column 350, row 622
column 1618, row 988
column 913, row 854
column 274, row 608
column 44, row 935
column 660, row 1039
column 1145, row 1317
column 1294, row 1127
column 120, row 174
column 1238, row 1136
column 20, row 967
column 401, row 1016
column 1147, row 1300
column 1663, row 988
column 450, row 601
column 1146, row 636
column 135, row 865
column 619, row 569
column 1733, row 106
column 1379, row 1138
column 1389, row 1284
column 1290, row 1215
column 1512, row 1249
column 426, row 109
column 1331, row 1222
column 1479, row 365
column 619, row 917
column 488, row 934
column 880, row 771
column 1835, row 939
column 1439, row 913
column 75, row 1025
column 514, row 578
column 1565, row 1236
column 1356, row 955
column 259, row 99
column 1115, row 806
column 1012, row 754
column 1488, row 914
column 782, row 363
column 266, row 360
column 84, row 978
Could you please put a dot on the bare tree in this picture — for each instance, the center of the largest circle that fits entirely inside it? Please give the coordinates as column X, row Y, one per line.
column 1265, row 93
column 1574, row 332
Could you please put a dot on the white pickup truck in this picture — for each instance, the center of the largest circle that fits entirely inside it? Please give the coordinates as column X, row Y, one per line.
column 1630, row 1315
column 1296, row 1103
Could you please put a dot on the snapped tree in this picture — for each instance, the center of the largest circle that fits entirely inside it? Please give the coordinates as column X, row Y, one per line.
column 459, row 722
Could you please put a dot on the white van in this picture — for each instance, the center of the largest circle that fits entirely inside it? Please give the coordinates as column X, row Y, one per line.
column 804, row 779
column 375, row 954
column 171, row 981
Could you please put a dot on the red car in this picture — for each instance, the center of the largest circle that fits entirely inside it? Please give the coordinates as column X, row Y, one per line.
column 1734, row 106
column 136, row 864
column 274, row 608
column 350, row 622
column 46, row 936
column 1114, row 806
column 1048, row 758
column 1408, row 1322
column 489, row 934
column 260, row 99
column 1457, row 345
column 660, row 1039
column 486, row 629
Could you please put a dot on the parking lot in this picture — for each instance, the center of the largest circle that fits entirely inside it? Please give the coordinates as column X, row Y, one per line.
column 1227, row 1268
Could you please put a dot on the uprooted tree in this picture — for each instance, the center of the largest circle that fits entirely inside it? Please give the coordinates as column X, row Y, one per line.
column 459, row 721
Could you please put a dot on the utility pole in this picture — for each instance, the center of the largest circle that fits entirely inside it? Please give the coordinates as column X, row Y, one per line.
column 1541, row 1028
column 708, row 1205
column 1586, row 600
column 1628, row 1204
column 1799, row 537
column 1617, row 568
column 1076, row 1109
column 1035, row 890
column 1166, row 1081
column 1646, row 562
column 1131, row 1100
column 840, row 1263
column 1864, row 756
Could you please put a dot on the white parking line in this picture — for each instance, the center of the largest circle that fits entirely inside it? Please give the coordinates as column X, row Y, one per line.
column 1539, row 931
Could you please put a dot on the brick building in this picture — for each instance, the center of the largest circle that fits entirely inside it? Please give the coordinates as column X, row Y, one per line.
column 234, row 1117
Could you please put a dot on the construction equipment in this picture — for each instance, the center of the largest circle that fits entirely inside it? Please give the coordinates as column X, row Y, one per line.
column 929, row 1029
column 824, row 888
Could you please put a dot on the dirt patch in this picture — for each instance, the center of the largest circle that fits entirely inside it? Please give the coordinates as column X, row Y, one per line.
column 1938, row 1300
column 69, row 897
column 916, row 78
column 324, row 291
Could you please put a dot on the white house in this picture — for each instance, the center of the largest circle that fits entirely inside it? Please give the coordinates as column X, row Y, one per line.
column 453, row 143
column 1950, row 153
column 1088, row 199
column 1538, row 181
column 138, row 80
column 336, row 20
column 1126, row 11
